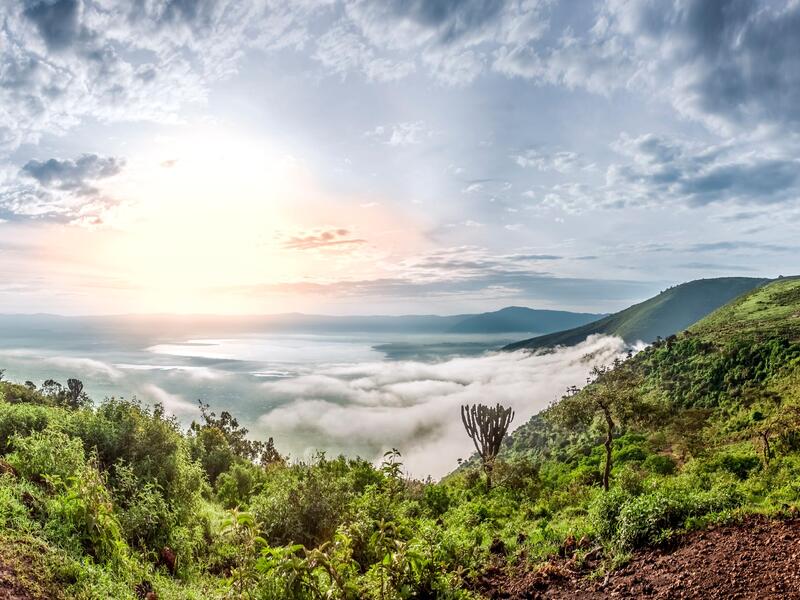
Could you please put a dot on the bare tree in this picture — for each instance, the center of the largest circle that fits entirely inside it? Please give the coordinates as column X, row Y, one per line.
column 613, row 394
column 74, row 393
column 487, row 426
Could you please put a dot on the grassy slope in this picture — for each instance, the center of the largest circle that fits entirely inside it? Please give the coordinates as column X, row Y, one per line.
column 768, row 311
column 667, row 313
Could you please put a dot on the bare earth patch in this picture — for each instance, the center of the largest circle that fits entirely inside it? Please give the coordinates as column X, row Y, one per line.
column 756, row 559
column 24, row 571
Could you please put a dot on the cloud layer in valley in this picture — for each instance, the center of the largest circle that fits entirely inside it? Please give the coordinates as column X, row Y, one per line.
column 310, row 393
column 368, row 408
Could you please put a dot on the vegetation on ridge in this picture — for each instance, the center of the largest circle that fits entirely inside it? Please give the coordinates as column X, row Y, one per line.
column 116, row 500
column 669, row 312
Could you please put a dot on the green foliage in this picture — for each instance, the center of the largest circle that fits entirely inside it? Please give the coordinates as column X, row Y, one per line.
column 220, row 442
column 144, row 515
column 305, row 503
column 23, row 419
column 82, row 513
column 235, row 486
column 115, row 498
column 47, row 455
column 659, row 464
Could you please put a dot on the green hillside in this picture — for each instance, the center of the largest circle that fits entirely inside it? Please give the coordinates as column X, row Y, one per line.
column 745, row 350
column 667, row 313
column 116, row 500
column 517, row 319
column 764, row 312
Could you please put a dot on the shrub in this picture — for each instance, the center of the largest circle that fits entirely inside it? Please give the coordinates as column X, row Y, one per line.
column 736, row 462
column 659, row 464
column 436, row 499
column 301, row 504
column 653, row 517
column 145, row 517
column 235, row 486
column 46, row 455
column 631, row 480
column 23, row 419
column 739, row 465
column 83, row 513
column 604, row 512
column 630, row 454
column 125, row 431
column 586, row 475
column 13, row 512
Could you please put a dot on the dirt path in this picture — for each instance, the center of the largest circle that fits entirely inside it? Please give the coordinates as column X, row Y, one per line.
column 757, row 559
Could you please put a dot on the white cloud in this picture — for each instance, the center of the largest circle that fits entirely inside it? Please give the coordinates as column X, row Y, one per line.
column 174, row 404
column 343, row 51
column 453, row 41
column 561, row 161
column 370, row 407
column 406, row 133
column 62, row 63
column 729, row 64
column 60, row 189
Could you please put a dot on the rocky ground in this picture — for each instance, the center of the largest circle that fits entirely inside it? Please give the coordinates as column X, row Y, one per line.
column 755, row 559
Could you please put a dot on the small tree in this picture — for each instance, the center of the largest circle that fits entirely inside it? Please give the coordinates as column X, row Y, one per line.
column 75, row 397
column 612, row 394
column 770, row 419
column 487, row 426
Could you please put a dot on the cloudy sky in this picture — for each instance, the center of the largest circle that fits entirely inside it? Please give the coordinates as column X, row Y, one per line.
column 352, row 156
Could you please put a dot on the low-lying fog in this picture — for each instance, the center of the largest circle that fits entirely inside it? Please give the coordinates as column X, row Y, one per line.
column 332, row 392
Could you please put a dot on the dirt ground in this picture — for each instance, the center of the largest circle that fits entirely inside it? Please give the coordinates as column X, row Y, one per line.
column 756, row 559
column 24, row 571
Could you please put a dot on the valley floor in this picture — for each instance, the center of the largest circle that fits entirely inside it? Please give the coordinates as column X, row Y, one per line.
column 756, row 559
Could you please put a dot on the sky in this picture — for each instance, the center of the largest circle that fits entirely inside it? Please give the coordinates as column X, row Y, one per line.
column 401, row 156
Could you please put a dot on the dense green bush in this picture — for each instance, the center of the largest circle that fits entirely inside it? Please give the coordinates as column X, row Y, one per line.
column 660, row 464
column 634, row 520
column 81, row 515
column 47, row 456
column 23, row 419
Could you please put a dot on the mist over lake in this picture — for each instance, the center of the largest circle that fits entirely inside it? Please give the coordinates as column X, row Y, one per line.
column 357, row 392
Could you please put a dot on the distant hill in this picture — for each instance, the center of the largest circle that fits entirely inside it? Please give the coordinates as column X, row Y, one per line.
column 669, row 312
column 507, row 320
column 520, row 319
column 765, row 312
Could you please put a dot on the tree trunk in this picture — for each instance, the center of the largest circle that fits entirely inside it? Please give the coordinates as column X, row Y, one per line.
column 767, row 449
column 487, row 467
column 608, row 442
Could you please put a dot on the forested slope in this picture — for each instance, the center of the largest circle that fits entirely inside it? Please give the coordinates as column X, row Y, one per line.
column 116, row 500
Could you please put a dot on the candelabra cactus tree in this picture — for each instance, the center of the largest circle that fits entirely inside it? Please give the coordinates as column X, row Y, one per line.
column 487, row 426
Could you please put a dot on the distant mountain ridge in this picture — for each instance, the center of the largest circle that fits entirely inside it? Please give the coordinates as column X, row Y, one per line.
column 514, row 319
column 671, row 311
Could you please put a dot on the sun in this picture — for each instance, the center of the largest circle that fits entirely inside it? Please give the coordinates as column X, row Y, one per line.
column 205, row 218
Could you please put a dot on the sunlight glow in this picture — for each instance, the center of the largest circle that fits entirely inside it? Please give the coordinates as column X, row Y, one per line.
column 205, row 218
